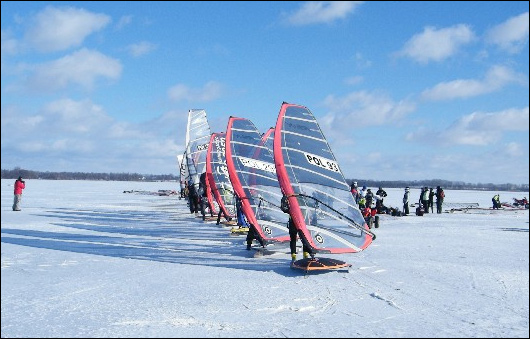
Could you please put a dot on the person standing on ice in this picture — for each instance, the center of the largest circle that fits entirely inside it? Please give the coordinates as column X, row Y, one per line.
column 425, row 199
column 242, row 223
column 406, row 201
column 440, row 195
column 20, row 184
column 293, row 232
column 203, row 197
column 193, row 197
column 496, row 200
column 381, row 193
column 354, row 189
column 431, row 200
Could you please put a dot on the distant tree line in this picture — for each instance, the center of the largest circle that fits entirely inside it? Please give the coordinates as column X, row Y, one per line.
column 28, row 174
column 445, row 184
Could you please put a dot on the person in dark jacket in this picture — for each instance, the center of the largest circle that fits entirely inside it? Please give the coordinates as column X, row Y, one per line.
column 242, row 222
column 496, row 200
column 293, row 232
column 193, row 197
column 203, row 197
column 440, row 195
column 379, row 205
column 369, row 198
column 20, row 184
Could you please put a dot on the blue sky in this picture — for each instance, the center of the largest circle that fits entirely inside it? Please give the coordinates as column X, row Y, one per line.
column 402, row 90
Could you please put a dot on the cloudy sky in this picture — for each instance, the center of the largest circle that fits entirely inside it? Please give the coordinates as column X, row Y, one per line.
column 402, row 90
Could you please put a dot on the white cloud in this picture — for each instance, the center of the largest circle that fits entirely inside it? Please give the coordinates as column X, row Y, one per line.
column 211, row 91
column 477, row 129
column 496, row 78
column 10, row 45
column 355, row 111
column 124, row 21
column 141, row 48
column 77, row 117
column 81, row 132
column 354, row 80
column 508, row 120
column 437, row 45
column 513, row 149
column 361, row 62
column 80, row 68
column 315, row 12
column 55, row 29
column 365, row 109
column 511, row 35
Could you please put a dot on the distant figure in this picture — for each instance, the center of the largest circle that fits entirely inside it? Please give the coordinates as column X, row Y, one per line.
column 406, row 201
column 431, row 199
column 193, row 197
column 440, row 195
column 496, row 200
column 425, row 199
column 363, row 192
column 379, row 202
column 20, row 184
column 293, row 232
column 369, row 198
column 203, row 197
column 355, row 192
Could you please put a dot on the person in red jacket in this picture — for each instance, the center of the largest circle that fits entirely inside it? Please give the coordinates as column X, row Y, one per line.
column 20, row 184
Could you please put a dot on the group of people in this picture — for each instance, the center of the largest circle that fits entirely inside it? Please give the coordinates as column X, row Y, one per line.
column 198, row 197
column 426, row 200
column 365, row 199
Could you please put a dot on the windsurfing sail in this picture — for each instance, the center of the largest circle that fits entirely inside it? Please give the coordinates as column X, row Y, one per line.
column 198, row 136
column 322, row 206
column 253, row 177
column 217, row 175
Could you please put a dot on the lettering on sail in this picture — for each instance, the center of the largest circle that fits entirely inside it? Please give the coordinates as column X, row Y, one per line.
column 324, row 163
column 257, row 164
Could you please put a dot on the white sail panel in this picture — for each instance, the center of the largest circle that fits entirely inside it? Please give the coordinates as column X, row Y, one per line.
column 198, row 133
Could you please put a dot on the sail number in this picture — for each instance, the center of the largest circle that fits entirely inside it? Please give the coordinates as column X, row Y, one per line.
column 202, row 147
column 257, row 164
column 330, row 165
